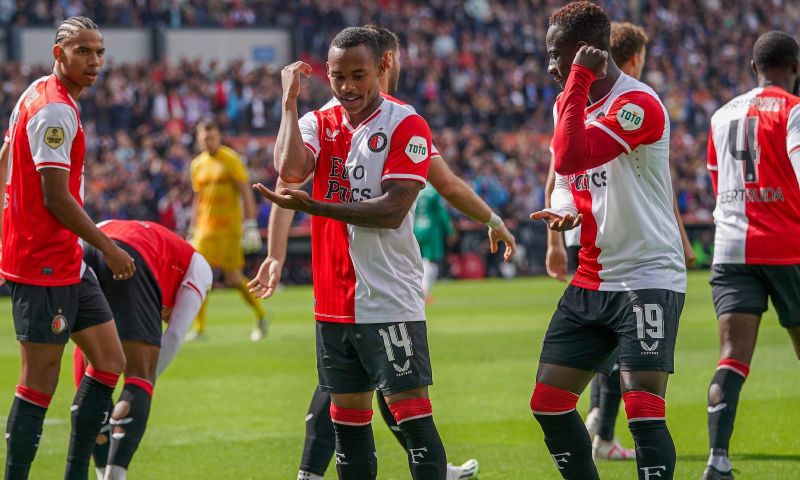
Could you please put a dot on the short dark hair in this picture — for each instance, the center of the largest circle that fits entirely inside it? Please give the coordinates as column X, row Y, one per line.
column 387, row 39
column 206, row 125
column 627, row 40
column 354, row 36
column 73, row 25
column 583, row 22
column 775, row 50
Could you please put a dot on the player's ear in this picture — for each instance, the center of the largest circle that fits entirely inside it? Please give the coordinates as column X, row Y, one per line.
column 58, row 50
column 327, row 69
column 753, row 67
column 382, row 66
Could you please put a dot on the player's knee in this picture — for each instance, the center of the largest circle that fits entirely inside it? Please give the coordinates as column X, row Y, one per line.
column 643, row 406
column 410, row 409
column 352, row 417
column 550, row 400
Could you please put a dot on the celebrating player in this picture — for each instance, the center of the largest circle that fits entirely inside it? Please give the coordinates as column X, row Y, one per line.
column 171, row 283
column 54, row 296
column 220, row 181
column 370, row 158
column 319, row 444
column 612, row 170
column 754, row 162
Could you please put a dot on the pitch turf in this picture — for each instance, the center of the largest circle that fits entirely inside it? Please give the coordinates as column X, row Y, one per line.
column 231, row 409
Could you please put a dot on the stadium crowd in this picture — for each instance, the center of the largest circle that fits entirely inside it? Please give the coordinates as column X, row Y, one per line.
column 476, row 69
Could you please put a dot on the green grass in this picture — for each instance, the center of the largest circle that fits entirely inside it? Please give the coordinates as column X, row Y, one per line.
column 231, row 409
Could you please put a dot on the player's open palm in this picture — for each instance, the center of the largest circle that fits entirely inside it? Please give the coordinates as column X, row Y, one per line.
column 594, row 59
column 558, row 222
column 290, row 79
column 267, row 279
column 287, row 198
column 120, row 263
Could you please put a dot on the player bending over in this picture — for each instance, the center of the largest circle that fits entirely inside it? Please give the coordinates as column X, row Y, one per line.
column 54, row 296
column 320, row 442
column 611, row 160
column 171, row 282
column 754, row 162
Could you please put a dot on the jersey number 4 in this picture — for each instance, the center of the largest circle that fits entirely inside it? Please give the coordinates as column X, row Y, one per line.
column 743, row 146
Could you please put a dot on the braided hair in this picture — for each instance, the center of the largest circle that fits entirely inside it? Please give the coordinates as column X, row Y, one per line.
column 73, row 25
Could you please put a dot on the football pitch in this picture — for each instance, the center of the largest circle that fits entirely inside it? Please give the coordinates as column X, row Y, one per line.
column 231, row 409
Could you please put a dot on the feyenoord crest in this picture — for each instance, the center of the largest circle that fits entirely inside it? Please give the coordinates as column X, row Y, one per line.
column 377, row 142
column 54, row 137
column 59, row 324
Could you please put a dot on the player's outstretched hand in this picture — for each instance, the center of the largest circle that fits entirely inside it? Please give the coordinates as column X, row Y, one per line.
column 290, row 79
column 556, row 263
column 268, row 278
column 557, row 222
column 120, row 263
column 502, row 234
column 594, row 59
column 287, row 198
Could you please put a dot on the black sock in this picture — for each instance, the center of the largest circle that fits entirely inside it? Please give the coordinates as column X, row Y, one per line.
column 320, row 437
column 103, row 442
column 426, row 456
column 23, row 431
column 655, row 450
column 129, row 421
column 89, row 412
column 568, row 442
column 594, row 393
column 610, row 396
column 723, row 397
column 355, row 452
column 388, row 417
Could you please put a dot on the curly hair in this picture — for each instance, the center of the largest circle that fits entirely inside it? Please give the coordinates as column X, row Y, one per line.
column 627, row 40
column 775, row 50
column 583, row 22
column 387, row 39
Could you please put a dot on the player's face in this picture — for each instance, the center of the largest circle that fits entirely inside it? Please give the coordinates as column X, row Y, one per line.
column 80, row 57
column 637, row 72
column 355, row 74
column 393, row 73
column 560, row 53
column 209, row 139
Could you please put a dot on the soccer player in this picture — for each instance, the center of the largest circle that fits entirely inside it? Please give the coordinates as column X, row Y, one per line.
column 370, row 157
column 54, row 296
column 613, row 176
column 220, row 182
column 171, row 283
column 319, row 444
column 754, row 163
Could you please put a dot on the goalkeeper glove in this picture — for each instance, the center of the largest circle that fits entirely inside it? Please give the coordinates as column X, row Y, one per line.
column 251, row 239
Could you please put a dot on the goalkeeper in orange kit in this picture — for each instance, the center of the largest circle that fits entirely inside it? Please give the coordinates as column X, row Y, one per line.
column 223, row 220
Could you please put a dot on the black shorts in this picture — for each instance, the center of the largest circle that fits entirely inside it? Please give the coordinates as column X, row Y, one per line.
column 740, row 288
column 590, row 328
column 51, row 314
column 136, row 302
column 392, row 357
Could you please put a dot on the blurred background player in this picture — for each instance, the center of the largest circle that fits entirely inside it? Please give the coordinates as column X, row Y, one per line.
column 367, row 318
column 611, row 159
column 320, row 442
column 433, row 227
column 170, row 283
column 754, row 162
column 220, row 182
column 55, row 297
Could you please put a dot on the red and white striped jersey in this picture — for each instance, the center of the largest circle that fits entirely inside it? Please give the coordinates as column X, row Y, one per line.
column 167, row 255
column 365, row 275
column 45, row 132
column 754, row 161
column 629, row 236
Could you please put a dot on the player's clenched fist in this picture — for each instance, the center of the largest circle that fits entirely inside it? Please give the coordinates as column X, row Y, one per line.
column 592, row 58
column 290, row 79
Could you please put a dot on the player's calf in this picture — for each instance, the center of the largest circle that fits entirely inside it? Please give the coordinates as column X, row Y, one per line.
column 723, row 398
column 320, row 444
column 128, row 423
column 355, row 446
column 655, row 450
column 89, row 412
column 565, row 435
column 23, row 430
column 426, row 455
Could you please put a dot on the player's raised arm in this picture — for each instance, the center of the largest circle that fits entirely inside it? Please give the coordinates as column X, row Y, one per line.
column 293, row 159
column 460, row 195
column 269, row 273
